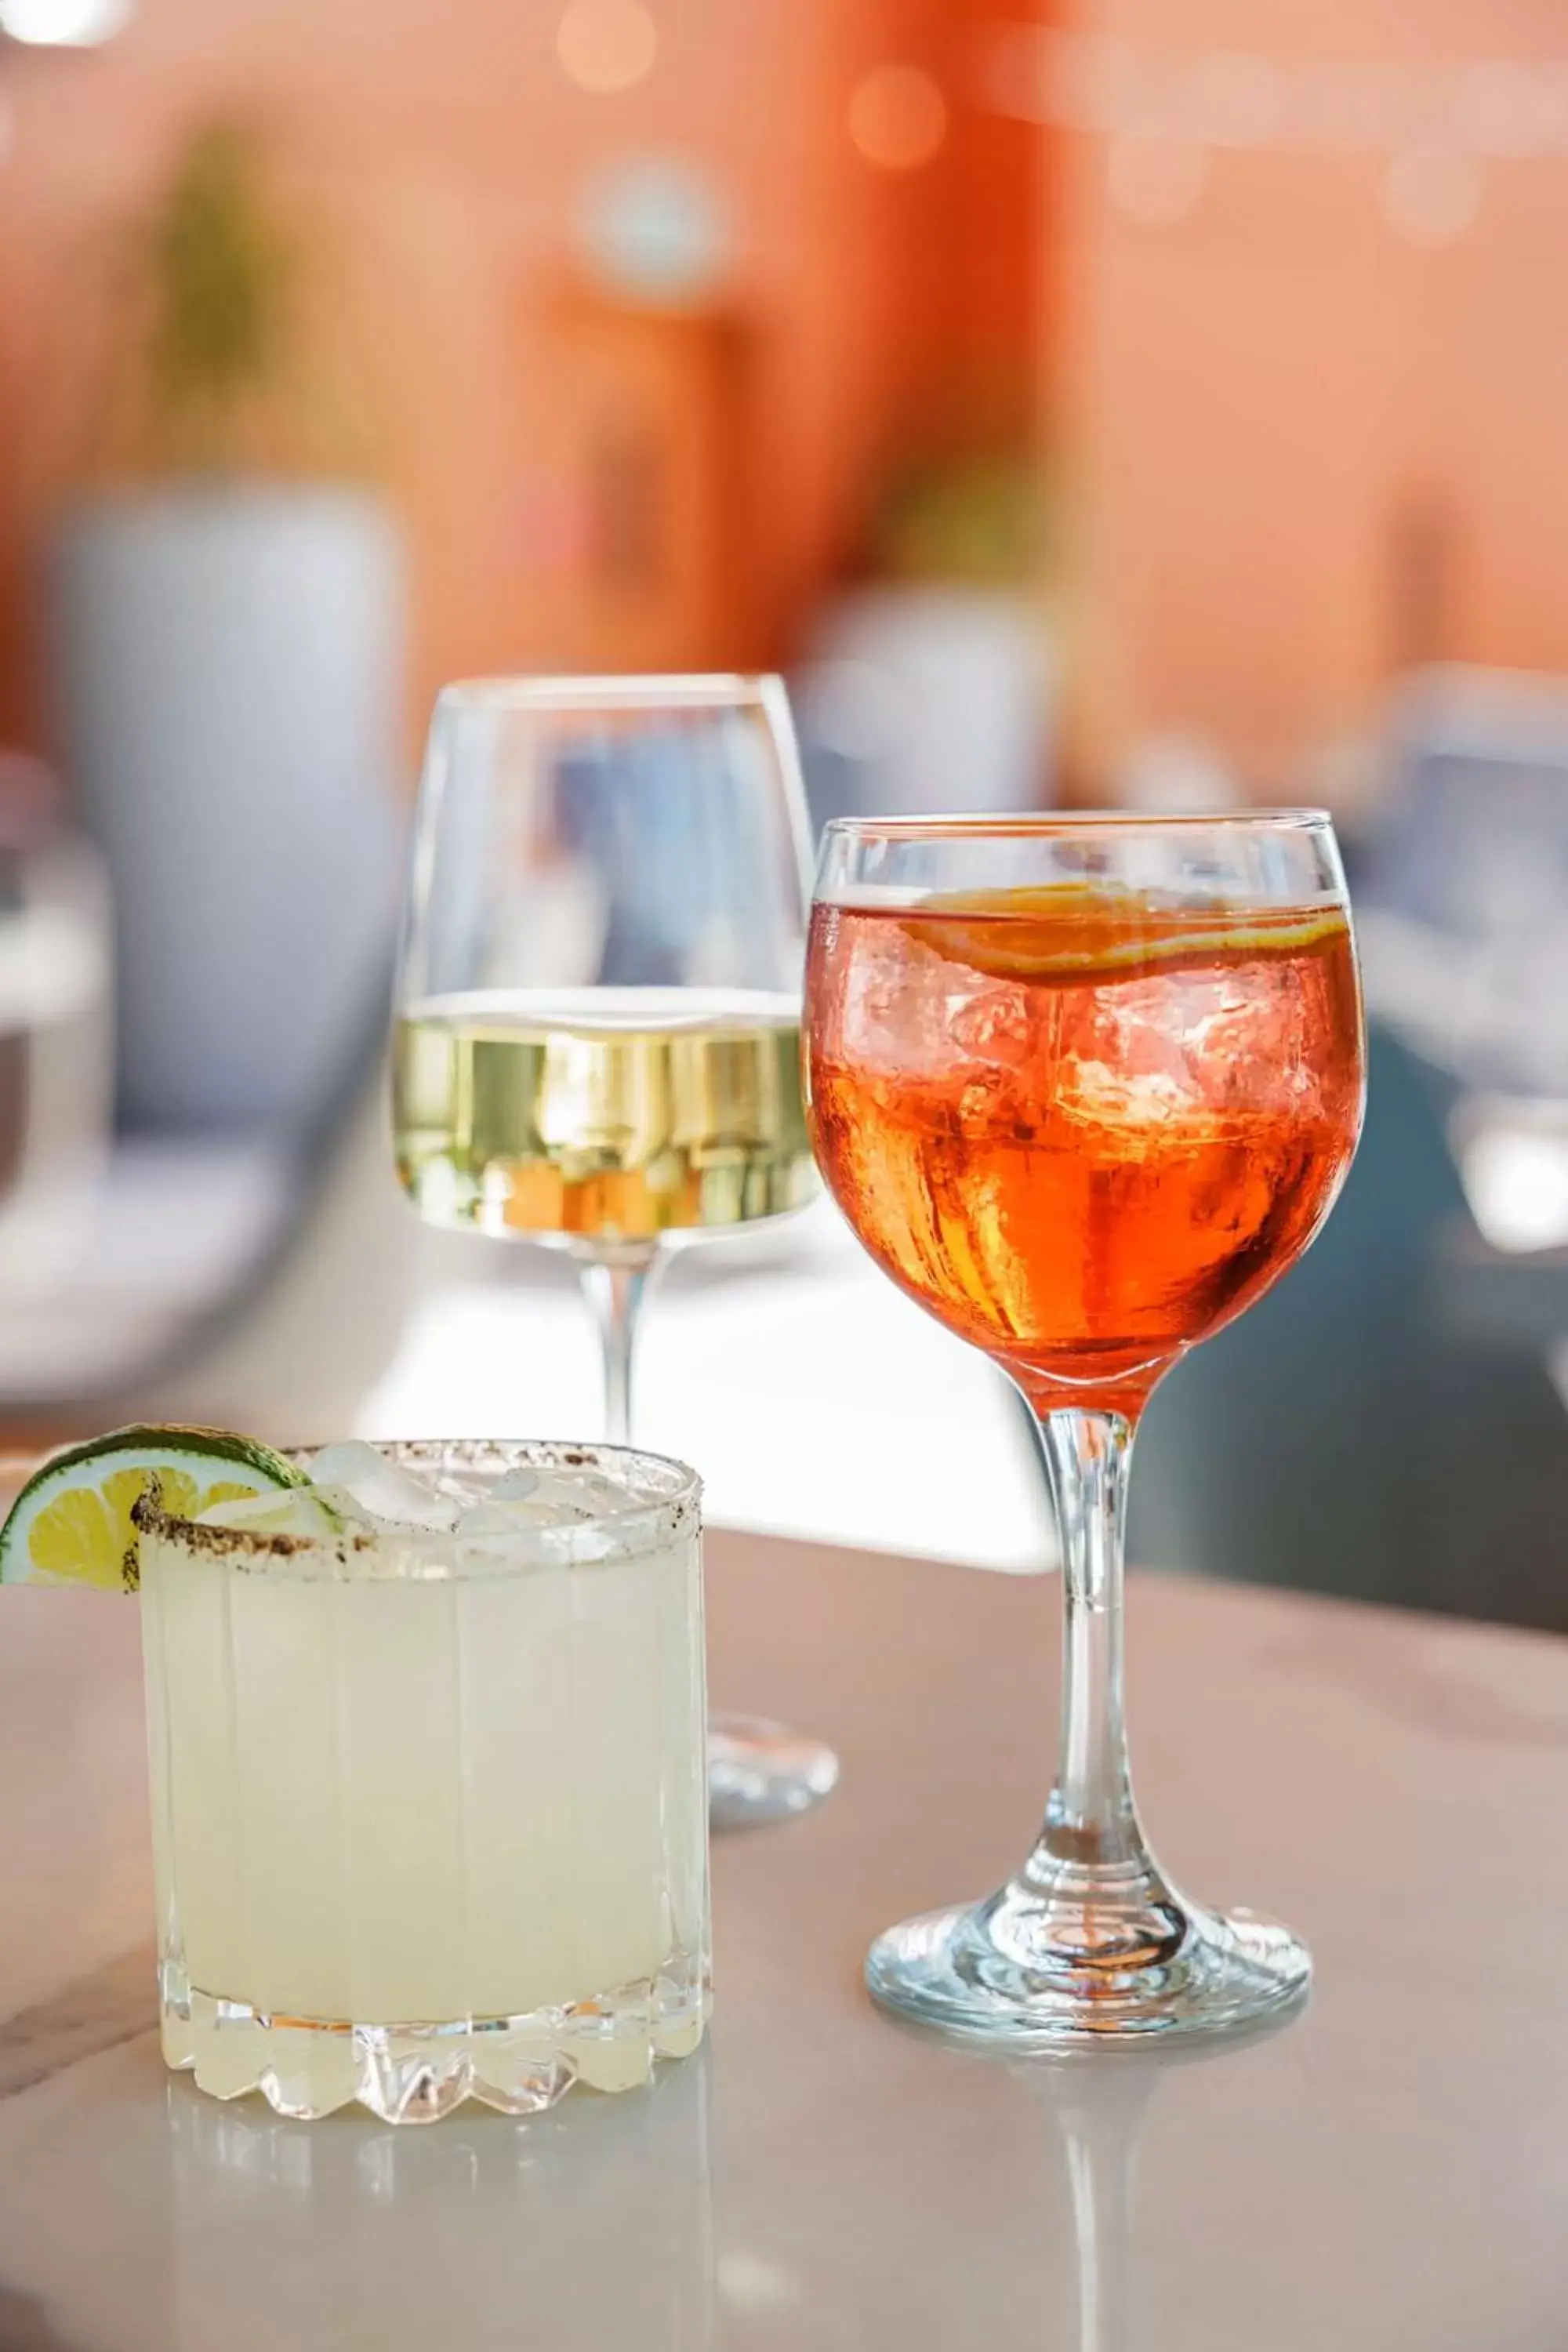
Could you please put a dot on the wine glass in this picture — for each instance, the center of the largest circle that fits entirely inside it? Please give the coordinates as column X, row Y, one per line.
column 1085, row 1086
column 597, row 1041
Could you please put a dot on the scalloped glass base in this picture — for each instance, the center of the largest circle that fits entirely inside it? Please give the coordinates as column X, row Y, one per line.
column 309, row 2067
column 949, row 1970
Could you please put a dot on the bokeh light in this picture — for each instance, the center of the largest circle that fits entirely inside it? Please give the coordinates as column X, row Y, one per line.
column 897, row 117
column 1155, row 179
column 1505, row 110
column 63, row 24
column 1431, row 195
column 658, row 227
column 1237, row 98
column 605, row 45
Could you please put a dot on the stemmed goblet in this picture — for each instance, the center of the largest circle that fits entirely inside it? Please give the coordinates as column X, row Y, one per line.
column 1085, row 1086
column 598, row 1011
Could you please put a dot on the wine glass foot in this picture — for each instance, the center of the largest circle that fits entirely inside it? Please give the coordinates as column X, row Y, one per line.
column 962, row 1972
column 759, row 1772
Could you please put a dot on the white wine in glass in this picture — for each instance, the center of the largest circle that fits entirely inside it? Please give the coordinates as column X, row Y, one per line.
column 623, row 1112
column 597, row 1043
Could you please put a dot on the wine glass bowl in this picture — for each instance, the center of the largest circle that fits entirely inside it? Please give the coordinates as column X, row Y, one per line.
column 1085, row 1087
column 598, row 1035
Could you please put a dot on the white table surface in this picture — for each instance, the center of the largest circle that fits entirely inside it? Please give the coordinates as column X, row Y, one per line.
column 1389, row 2171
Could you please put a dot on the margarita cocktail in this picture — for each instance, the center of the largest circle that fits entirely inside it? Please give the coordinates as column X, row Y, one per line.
column 429, row 1787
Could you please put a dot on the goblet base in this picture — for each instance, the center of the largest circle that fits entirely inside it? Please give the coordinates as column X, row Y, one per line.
column 975, row 1970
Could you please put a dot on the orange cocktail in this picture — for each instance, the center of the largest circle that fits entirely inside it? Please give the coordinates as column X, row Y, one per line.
column 1085, row 1085
column 1084, row 1127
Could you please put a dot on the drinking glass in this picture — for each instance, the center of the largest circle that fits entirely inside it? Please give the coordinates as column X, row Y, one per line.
column 427, row 1804
column 597, row 1041
column 1085, row 1086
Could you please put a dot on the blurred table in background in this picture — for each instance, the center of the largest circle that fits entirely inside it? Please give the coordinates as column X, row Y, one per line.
column 1385, row 2173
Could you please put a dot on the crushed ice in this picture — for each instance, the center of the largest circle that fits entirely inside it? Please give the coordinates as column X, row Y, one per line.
column 381, row 1491
column 355, row 1490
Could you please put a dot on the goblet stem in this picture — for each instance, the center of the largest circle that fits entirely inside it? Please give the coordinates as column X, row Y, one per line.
column 1091, row 1817
column 1089, row 1940
column 1091, row 1894
column 616, row 1283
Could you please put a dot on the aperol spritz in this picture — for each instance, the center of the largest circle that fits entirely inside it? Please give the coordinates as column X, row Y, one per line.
column 1083, row 1127
column 1085, row 1086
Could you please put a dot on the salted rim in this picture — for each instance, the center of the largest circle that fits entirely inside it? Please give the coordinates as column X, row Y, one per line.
column 606, row 1537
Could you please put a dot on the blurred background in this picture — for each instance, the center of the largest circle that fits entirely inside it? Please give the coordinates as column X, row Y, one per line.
column 1125, row 402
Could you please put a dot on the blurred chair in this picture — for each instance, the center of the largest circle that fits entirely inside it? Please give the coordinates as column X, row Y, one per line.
column 266, row 1291
column 1364, row 1430
column 57, row 1031
column 1462, row 882
column 240, row 1255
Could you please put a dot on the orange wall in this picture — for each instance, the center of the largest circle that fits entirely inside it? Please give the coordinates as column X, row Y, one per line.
column 437, row 151
column 1303, row 450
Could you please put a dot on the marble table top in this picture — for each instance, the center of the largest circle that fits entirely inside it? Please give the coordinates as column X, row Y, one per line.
column 1388, row 2172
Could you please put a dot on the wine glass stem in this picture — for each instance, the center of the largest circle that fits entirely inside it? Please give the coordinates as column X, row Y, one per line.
column 1091, row 1819
column 616, row 1285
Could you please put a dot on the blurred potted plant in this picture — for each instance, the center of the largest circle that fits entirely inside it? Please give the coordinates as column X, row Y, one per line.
column 228, row 639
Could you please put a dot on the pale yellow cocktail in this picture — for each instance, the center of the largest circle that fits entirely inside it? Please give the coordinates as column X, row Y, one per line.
column 429, row 1806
